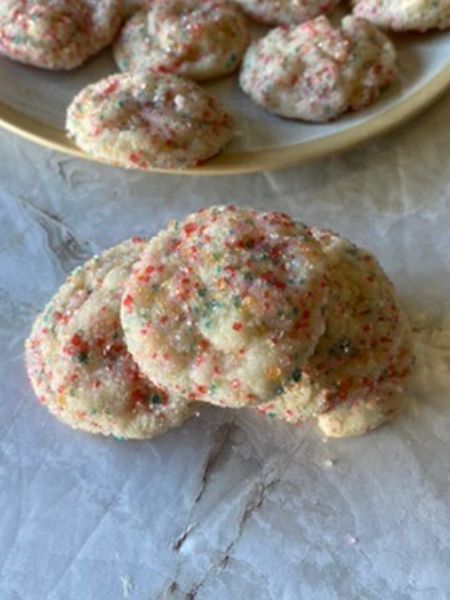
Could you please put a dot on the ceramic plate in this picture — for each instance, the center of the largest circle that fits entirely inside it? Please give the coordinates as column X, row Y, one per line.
column 33, row 104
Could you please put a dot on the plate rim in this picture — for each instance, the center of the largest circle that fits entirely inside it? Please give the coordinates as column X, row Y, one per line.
column 257, row 161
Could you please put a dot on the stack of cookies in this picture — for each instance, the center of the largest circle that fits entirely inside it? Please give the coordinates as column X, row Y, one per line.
column 231, row 307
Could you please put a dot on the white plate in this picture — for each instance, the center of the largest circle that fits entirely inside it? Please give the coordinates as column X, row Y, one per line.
column 33, row 104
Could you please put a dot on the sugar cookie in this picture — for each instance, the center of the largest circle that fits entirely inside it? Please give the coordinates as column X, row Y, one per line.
column 78, row 363
column 364, row 336
column 405, row 15
column 195, row 39
column 143, row 120
column 227, row 305
column 315, row 72
column 57, row 34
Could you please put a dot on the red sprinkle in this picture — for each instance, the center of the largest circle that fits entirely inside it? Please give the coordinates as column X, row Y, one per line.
column 112, row 87
column 189, row 228
column 128, row 302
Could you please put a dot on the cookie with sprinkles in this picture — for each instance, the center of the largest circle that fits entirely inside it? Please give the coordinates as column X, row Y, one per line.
column 405, row 15
column 227, row 305
column 364, row 340
column 79, row 365
column 145, row 120
column 286, row 12
column 57, row 34
column 194, row 39
column 315, row 71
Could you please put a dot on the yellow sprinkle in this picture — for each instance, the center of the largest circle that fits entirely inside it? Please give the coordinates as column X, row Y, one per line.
column 273, row 373
column 60, row 401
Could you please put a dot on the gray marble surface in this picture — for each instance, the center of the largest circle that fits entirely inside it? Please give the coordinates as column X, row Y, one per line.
column 228, row 507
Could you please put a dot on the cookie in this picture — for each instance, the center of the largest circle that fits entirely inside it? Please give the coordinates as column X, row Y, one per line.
column 198, row 40
column 405, row 15
column 144, row 121
column 365, row 336
column 57, row 34
column 226, row 306
column 79, row 365
column 315, row 72
column 286, row 12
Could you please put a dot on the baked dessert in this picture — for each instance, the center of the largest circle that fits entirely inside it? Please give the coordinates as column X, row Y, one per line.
column 79, row 365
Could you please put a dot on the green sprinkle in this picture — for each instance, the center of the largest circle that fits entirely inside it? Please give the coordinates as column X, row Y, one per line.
column 82, row 357
column 156, row 399
column 231, row 60
column 297, row 375
column 211, row 305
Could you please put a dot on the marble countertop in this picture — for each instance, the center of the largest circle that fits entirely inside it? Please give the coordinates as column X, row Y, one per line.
column 228, row 507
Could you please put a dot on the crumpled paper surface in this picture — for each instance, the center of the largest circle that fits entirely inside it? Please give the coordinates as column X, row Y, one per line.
column 229, row 506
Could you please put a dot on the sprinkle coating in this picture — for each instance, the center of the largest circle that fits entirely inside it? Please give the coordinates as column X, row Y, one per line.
column 78, row 363
column 357, row 416
column 315, row 72
column 57, row 34
column 198, row 40
column 144, row 120
column 286, row 12
column 227, row 305
column 405, row 15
